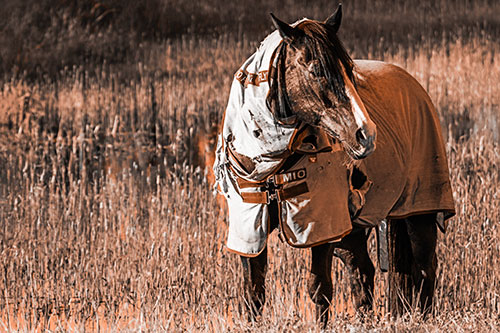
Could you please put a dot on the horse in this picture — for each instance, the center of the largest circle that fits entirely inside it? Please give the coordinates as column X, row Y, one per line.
column 397, row 177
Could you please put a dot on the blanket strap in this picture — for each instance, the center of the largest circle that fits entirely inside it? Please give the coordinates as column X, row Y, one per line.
column 293, row 191
column 255, row 197
column 282, row 194
column 273, row 187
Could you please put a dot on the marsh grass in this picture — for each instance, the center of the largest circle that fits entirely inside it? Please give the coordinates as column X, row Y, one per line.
column 109, row 221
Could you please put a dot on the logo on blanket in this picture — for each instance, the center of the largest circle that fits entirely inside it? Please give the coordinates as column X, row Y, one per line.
column 291, row 176
column 246, row 78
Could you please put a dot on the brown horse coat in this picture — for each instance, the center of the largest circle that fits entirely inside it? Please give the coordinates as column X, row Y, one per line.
column 409, row 168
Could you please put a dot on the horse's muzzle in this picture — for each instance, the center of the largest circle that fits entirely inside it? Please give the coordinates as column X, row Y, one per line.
column 365, row 136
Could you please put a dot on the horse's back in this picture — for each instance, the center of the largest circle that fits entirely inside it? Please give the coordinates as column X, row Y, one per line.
column 409, row 168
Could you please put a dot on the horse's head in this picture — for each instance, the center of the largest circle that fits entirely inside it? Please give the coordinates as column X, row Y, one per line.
column 315, row 82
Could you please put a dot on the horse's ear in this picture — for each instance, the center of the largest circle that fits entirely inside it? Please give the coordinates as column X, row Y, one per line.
column 287, row 32
column 335, row 19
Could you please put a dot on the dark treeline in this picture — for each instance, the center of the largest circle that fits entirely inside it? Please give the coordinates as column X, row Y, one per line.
column 39, row 38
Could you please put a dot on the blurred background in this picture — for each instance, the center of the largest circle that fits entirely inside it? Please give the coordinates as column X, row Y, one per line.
column 43, row 37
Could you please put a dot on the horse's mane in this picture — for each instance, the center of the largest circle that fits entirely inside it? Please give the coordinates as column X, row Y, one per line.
column 333, row 58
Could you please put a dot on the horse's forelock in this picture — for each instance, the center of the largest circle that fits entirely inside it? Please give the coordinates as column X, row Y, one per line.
column 333, row 57
column 277, row 100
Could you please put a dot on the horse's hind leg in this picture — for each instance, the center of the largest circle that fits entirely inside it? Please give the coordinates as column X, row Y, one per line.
column 422, row 232
column 320, row 281
column 353, row 252
column 254, row 276
column 412, row 248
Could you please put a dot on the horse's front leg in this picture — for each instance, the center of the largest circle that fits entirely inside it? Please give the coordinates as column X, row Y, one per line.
column 353, row 252
column 254, row 274
column 320, row 281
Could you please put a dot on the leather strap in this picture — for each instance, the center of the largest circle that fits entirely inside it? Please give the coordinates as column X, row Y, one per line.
column 296, row 190
column 281, row 194
column 255, row 197
column 243, row 183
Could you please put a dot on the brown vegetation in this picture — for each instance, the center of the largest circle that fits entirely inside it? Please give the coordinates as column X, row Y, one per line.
column 108, row 220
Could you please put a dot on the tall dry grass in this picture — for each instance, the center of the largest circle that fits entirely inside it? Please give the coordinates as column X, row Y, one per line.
column 109, row 222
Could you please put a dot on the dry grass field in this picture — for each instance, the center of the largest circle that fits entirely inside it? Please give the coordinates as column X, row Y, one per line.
column 108, row 217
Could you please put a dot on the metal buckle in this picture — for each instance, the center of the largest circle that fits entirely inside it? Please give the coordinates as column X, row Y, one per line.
column 270, row 196
column 271, row 189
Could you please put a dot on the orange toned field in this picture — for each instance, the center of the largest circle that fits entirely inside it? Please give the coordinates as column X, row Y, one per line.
column 109, row 221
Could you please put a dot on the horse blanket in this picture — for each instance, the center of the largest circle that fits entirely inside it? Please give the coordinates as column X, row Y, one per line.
column 408, row 170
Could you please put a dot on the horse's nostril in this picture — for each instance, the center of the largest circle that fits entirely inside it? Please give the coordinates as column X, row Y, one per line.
column 365, row 136
column 361, row 135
